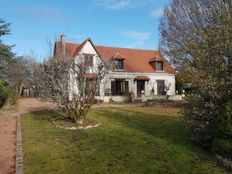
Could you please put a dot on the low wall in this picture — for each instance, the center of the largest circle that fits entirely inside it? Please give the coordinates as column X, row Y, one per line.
column 108, row 99
column 176, row 97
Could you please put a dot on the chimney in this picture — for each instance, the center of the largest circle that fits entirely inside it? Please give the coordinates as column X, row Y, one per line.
column 62, row 41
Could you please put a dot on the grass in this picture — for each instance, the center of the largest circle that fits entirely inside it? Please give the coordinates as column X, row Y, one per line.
column 130, row 140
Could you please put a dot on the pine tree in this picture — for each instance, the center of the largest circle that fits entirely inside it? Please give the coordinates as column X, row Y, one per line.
column 6, row 55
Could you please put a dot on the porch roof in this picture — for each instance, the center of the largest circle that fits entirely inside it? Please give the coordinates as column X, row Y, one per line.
column 142, row 78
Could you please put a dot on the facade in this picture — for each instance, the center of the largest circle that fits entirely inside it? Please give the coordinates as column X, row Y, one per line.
column 137, row 73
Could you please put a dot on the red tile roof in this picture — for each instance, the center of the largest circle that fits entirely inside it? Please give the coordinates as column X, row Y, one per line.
column 135, row 60
column 70, row 48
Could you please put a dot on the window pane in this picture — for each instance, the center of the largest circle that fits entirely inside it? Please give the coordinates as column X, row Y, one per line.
column 159, row 66
column 89, row 60
column 119, row 87
column 118, row 64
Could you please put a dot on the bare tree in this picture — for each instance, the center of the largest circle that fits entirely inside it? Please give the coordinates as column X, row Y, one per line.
column 73, row 85
column 21, row 72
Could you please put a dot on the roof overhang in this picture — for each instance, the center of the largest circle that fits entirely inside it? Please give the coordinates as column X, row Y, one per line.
column 90, row 75
column 144, row 78
column 156, row 59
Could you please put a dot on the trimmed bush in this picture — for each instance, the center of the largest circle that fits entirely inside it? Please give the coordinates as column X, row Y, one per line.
column 223, row 147
column 222, row 144
column 12, row 96
column 3, row 94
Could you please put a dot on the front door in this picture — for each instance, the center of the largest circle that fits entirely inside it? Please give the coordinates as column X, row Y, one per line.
column 160, row 87
column 140, row 87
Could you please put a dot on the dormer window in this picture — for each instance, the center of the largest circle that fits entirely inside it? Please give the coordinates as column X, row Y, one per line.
column 88, row 59
column 118, row 63
column 159, row 66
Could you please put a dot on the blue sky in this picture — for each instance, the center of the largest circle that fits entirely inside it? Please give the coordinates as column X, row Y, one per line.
column 123, row 23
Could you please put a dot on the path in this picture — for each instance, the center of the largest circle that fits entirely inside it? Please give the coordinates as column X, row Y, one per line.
column 8, row 130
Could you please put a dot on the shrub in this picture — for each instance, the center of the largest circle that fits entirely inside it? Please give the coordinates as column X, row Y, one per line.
column 222, row 143
column 224, row 122
column 223, row 147
column 199, row 116
column 12, row 95
column 198, row 42
column 3, row 94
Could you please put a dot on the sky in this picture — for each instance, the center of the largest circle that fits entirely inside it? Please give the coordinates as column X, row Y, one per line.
column 120, row 23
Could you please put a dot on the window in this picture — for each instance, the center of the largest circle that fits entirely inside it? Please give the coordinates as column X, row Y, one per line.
column 118, row 64
column 88, row 59
column 161, row 87
column 119, row 87
column 159, row 66
column 91, row 86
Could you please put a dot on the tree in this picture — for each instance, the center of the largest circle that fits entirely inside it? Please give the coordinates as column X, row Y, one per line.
column 6, row 55
column 72, row 85
column 197, row 37
column 20, row 72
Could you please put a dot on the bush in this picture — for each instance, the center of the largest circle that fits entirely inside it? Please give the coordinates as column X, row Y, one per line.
column 3, row 94
column 222, row 143
column 199, row 116
column 12, row 96
column 223, row 147
column 224, row 122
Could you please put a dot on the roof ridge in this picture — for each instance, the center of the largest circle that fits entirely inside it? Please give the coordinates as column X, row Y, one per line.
column 142, row 49
column 69, row 42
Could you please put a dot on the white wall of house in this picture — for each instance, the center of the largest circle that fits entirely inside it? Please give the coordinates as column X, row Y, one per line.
column 152, row 83
column 89, row 49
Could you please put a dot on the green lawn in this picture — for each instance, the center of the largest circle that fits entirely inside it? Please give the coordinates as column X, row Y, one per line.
column 130, row 140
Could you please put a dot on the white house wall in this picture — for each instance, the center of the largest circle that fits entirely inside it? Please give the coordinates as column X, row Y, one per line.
column 152, row 83
column 89, row 49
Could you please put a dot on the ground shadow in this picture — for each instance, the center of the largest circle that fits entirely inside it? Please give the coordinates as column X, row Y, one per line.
column 162, row 126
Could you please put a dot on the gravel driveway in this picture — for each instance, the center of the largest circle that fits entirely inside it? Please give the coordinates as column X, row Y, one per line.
column 8, row 130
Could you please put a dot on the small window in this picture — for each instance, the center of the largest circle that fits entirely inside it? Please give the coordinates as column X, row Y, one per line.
column 89, row 59
column 118, row 64
column 159, row 66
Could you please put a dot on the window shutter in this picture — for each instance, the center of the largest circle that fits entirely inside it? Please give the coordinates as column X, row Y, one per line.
column 113, row 88
column 126, row 87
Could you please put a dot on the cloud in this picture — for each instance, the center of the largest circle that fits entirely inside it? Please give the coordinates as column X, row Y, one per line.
column 112, row 4
column 75, row 37
column 157, row 12
column 36, row 13
column 120, row 4
column 140, row 37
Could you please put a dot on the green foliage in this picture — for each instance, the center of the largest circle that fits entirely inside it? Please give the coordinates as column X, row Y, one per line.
column 3, row 94
column 6, row 56
column 12, row 95
column 224, row 122
column 223, row 134
column 130, row 140
column 4, row 28
column 223, row 147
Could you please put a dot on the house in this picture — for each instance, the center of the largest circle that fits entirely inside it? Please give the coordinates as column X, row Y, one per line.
column 138, row 73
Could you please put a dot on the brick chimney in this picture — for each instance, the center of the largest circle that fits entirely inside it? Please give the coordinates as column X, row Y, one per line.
column 62, row 41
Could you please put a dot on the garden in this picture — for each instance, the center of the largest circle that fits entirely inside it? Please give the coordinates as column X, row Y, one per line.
column 130, row 140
